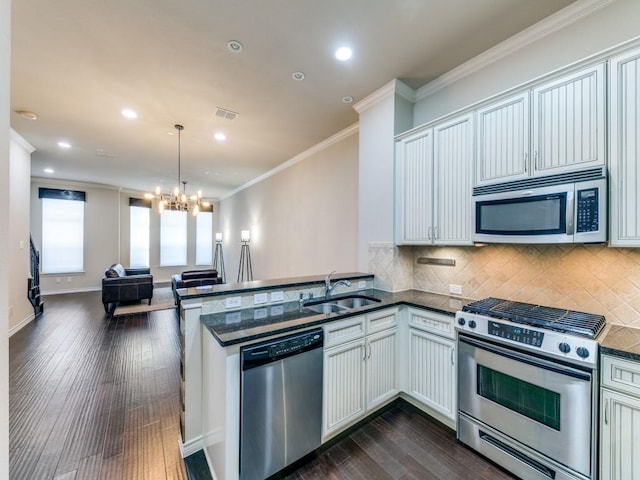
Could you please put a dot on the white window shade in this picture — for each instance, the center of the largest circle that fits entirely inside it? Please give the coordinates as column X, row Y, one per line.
column 204, row 238
column 62, row 236
column 139, row 223
column 173, row 238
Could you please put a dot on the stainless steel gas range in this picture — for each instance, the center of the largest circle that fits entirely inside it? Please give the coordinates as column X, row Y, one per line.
column 527, row 387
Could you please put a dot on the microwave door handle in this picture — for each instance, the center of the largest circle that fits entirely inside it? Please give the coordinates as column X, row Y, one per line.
column 570, row 212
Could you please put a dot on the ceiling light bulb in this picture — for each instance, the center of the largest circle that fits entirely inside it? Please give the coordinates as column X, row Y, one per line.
column 129, row 113
column 199, row 193
column 196, row 210
column 158, row 190
column 63, row 144
column 343, row 53
column 48, row 170
column 176, row 191
column 219, row 136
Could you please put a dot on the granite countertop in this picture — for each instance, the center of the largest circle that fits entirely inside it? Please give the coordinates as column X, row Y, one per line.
column 240, row 326
column 265, row 285
column 622, row 341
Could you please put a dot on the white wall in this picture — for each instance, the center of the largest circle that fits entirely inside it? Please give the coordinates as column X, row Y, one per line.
column 5, row 193
column 20, row 309
column 303, row 219
column 383, row 114
column 587, row 35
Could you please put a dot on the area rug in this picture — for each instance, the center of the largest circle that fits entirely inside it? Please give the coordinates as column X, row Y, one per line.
column 162, row 300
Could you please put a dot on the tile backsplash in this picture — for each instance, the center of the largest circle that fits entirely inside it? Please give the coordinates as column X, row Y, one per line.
column 590, row 278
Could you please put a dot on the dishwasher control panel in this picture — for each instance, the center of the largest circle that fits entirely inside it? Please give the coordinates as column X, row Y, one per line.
column 282, row 347
column 293, row 345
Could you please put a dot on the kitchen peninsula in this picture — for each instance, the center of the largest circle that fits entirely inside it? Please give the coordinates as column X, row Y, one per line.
column 217, row 321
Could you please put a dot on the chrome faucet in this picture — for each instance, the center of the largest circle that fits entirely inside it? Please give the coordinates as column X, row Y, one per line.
column 328, row 287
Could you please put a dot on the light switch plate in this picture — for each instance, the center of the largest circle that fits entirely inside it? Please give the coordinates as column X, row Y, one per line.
column 277, row 296
column 233, row 302
column 259, row 298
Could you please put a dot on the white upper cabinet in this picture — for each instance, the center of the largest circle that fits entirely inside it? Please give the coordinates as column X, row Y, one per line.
column 569, row 122
column 624, row 141
column 452, row 173
column 502, row 148
column 414, row 193
column 433, row 184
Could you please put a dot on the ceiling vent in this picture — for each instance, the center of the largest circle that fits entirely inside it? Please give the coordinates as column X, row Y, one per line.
column 224, row 113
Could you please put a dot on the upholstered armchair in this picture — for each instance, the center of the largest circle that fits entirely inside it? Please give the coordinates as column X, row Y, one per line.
column 125, row 285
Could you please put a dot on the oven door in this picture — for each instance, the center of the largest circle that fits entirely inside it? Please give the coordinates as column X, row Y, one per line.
column 544, row 405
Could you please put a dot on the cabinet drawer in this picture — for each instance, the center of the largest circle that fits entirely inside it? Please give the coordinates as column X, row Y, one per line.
column 620, row 374
column 343, row 331
column 381, row 320
column 432, row 322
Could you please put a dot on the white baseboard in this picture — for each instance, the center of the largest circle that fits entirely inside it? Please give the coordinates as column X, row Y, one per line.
column 192, row 446
column 210, row 464
column 72, row 290
column 21, row 325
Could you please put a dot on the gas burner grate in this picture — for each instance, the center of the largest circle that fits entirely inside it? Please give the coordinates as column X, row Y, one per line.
column 567, row 321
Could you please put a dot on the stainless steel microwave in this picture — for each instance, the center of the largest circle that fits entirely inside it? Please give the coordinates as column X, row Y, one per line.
column 574, row 212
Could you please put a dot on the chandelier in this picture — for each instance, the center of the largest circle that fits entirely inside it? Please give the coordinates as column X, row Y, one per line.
column 177, row 199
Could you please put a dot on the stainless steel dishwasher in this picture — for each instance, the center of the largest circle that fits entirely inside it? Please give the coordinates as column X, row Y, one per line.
column 280, row 403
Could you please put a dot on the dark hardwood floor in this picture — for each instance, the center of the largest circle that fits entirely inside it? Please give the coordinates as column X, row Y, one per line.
column 401, row 443
column 93, row 397
column 98, row 398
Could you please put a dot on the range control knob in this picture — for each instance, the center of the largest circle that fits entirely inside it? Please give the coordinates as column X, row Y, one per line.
column 461, row 321
column 582, row 352
column 472, row 324
column 564, row 347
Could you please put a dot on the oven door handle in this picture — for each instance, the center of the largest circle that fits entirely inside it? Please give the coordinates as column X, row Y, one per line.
column 528, row 359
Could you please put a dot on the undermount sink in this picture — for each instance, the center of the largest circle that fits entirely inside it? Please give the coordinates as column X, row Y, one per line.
column 342, row 304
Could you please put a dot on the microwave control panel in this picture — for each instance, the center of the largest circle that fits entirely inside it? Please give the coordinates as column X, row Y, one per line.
column 587, row 211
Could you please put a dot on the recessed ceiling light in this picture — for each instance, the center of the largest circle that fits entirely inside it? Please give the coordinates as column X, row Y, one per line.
column 63, row 144
column 234, row 46
column 347, row 99
column 343, row 53
column 299, row 76
column 49, row 170
column 219, row 136
column 27, row 114
column 129, row 113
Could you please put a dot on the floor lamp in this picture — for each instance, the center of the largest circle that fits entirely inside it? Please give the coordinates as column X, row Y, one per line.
column 245, row 270
column 218, row 258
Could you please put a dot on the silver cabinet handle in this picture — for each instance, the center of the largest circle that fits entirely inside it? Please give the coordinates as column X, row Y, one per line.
column 526, row 161
column 369, row 344
column 452, row 360
column 429, row 233
column 435, row 233
column 606, row 412
column 535, row 160
column 364, row 349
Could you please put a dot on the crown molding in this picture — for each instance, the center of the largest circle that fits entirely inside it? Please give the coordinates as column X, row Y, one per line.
column 552, row 23
column 297, row 159
column 395, row 86
column 20, row 140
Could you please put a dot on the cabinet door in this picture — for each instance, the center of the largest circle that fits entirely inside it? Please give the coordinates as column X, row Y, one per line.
column 620, row 434
column 452, row 172
column 569, row 122
column 503, row 141
column 414, row 193
column 432, row 372
column 624, row 169
column 343, row 391
column 381, row 367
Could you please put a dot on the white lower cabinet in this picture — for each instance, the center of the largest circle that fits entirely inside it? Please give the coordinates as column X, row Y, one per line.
column 432, row 371
column 619, row 419
column 361, row 374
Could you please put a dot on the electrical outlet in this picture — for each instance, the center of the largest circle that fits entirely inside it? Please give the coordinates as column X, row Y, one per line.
column 233, row 302
column 234, row 317
column 455, row 289
column 277, row 296
column 259, row 298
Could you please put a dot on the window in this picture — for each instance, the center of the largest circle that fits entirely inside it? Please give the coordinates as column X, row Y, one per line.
column 173, row 238
column 62, row 231
column 204, row 238
column 139, row 218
